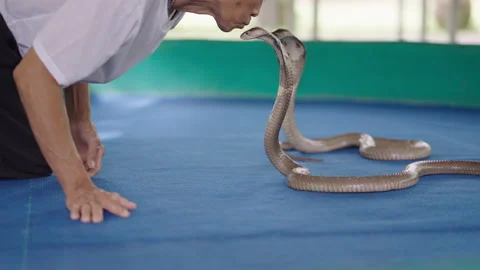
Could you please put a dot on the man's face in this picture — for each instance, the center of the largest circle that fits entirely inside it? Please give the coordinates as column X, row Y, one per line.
column 236, row 13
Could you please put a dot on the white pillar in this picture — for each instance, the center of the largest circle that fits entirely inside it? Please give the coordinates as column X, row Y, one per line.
column 290, row 15
column 452, row 20
column 423, row 33
column 400, row 19
column 316, row 4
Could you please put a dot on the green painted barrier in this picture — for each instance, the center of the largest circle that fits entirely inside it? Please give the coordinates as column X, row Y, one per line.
column 375, row 71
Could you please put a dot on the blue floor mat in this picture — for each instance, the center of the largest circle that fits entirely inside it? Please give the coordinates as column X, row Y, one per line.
column 208, row 198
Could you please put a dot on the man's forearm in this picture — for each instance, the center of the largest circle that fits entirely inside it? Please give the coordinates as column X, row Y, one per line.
column 45, row 109
column 77, row 101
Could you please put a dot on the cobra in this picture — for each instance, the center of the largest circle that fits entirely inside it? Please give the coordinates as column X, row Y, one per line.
column 369, row 147
column 299, row 177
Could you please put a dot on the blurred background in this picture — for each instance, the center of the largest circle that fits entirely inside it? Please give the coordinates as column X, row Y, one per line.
column 421, row 51
column 356, row 20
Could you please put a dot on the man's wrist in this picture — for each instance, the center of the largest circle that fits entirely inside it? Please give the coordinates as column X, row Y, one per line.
column 77, row 102
column 70, row 185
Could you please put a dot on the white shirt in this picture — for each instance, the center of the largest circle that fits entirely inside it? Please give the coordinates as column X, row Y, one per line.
column 94, row 41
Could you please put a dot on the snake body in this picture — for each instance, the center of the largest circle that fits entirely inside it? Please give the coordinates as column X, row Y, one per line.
column 369, row 147
column 299, row 177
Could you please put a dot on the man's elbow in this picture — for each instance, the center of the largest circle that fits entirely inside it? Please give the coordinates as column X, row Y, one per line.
column 31, row 72
column 18, row 75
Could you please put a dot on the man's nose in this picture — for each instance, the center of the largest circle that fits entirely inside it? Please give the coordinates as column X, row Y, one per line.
column 255, row 13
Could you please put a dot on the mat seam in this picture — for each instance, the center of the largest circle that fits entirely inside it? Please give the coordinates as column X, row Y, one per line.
column 27, row 228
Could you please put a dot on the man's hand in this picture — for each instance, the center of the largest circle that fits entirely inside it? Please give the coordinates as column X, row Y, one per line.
column 87, row 204
column 89, row 146
column 41, row 97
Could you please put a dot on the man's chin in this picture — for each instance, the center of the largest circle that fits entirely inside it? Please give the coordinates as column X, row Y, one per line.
column 226, row 29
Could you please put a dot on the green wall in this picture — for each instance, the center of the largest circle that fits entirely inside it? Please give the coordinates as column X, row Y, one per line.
column 393, row 72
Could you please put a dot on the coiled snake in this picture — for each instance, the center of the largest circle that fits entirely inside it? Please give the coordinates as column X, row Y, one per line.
column 370, row 147
column 298, row 177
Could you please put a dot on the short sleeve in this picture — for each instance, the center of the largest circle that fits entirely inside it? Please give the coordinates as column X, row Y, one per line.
column 177, row 19
column 82, row 35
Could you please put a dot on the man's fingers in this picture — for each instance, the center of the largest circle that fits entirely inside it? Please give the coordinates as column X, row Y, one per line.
column 97, row 213
column 113, row 206
column 93, row 161
column 86, row 213
column 91, row 155
column 75, row 212
column 127, row 204
column 98, row 157
column 124, row 202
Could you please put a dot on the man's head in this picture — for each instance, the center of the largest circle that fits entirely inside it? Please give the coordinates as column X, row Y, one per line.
column 229, row 14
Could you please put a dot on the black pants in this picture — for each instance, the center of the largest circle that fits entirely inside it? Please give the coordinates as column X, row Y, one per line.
column 20, row 156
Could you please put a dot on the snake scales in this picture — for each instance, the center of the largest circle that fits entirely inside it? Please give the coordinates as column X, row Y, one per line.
column 290, row 54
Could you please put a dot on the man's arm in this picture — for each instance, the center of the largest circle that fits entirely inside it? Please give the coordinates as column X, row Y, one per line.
column 42, row 99
column 77, row 101
column 84, row 133
column 89, row 42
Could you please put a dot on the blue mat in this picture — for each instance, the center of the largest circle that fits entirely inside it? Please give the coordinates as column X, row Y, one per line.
column 208, row 198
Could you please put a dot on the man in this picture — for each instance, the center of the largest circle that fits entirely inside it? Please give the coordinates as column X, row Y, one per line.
column 63, row 45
